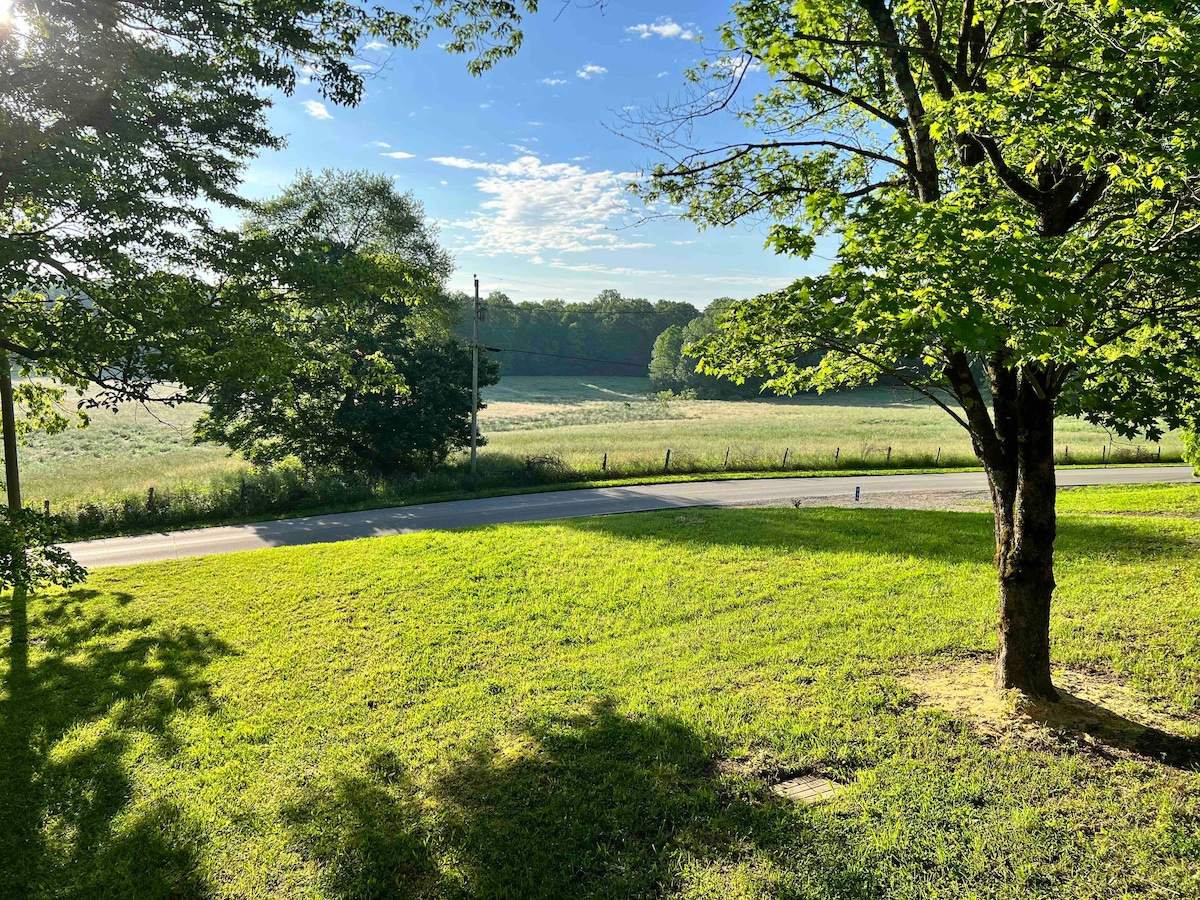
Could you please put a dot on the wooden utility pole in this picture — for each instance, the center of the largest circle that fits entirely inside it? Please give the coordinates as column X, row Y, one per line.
column 475, row 381
column 12, row 475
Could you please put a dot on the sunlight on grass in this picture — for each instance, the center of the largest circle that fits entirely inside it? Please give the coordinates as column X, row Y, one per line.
column 591, row 708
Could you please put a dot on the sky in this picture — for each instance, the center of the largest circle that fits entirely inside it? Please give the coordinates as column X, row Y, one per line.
column 520, row 168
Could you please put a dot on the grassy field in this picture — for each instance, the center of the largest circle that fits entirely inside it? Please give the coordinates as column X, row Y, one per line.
column 579, row 424
column 125, row 452
column 576, row 421
column 462, row 715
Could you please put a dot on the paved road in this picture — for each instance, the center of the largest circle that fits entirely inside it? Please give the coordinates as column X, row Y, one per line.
column 554, row 505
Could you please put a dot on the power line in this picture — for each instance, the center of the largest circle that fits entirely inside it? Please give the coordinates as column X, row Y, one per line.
column 611, row 362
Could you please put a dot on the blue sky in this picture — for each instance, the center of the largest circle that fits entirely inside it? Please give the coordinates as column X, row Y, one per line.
column 518, row 168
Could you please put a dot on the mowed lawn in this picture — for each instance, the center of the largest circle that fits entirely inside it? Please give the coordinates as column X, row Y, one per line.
column 595, row 708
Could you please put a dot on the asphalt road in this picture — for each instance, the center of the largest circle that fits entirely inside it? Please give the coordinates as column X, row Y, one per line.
column 554, row 505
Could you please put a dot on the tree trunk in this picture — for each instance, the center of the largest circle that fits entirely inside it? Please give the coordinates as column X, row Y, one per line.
column 8, row 420
column 1024, row 503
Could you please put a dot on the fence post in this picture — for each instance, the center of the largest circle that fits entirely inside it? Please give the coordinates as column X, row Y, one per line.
column 836, row 454
column 1067, row 454
column 785, row 453
column 727, row 457
column 1104, row 454
column 150, row 499
column 667, row 464
column 604, row 465
column 46, row 508
column 1160, row 452
column 938, row 460
column 889, row 458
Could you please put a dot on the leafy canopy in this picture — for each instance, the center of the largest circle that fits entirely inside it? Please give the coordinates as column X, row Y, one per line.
column 356, row 369
column 1010, row 184
column 123, row 122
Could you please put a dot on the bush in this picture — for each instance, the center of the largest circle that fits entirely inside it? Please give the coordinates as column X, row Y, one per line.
column 1191, row 448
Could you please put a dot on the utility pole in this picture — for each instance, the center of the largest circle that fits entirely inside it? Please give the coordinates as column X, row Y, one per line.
column 475, row 381
column 12, row 476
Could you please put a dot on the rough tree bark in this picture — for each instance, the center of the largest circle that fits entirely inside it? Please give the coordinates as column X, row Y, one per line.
column 1015, row 443
column 1023, row 499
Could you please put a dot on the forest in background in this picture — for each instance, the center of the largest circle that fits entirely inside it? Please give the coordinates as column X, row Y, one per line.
column 611, row 335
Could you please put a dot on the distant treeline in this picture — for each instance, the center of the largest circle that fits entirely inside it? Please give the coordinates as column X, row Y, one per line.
column 611, row 335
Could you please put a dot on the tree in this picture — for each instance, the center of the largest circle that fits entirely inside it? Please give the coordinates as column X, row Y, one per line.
column 611, row 335
column 665, row 361
column 361, row 373
column 121, row 124
column 1014, row 189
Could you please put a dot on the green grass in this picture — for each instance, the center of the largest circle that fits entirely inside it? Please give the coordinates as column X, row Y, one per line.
column 1157, row 499
column 126, row 452
column 859, row 428
column 546, row 711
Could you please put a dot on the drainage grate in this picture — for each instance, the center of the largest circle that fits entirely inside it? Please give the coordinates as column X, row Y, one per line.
column 805, row 789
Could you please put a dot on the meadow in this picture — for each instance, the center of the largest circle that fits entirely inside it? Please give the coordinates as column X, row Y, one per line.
column 459, row 714
column 582, row 427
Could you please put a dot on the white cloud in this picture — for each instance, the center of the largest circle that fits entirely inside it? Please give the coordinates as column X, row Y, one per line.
column 663, row 27
column 682, row 243
column 375, row 45
column 536, row 207
column 597, row 268
column 398, row 154
column 553, row 82
column 487, row 105
column 384, row 144
column 590, row 71
column 534, row 124
column 317, row 109
column 662, row 74
column 362, row 67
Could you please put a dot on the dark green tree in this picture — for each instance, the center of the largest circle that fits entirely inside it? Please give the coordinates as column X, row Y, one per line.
column 361, row 372
column 666, row 361
column 1013, row 190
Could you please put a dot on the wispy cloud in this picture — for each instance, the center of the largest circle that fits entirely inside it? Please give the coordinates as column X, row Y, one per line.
column 384, row 144
column 554, row 82
column 316, row 109
column 398, row 154
column 590, row 71
column 535, row 207
column 375, row 45
column 662, row 74
column 663, row 27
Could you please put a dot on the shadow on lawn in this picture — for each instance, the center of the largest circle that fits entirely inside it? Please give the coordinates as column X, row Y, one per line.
column 1091, row 728
column 948, row 537
column 82, row 690
column 600, row 805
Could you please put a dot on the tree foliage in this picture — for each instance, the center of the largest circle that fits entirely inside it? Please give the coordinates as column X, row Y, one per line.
column 1014, row 189
column 675, row 364
column 356, row 370
column 611, row 335
column 121, row 123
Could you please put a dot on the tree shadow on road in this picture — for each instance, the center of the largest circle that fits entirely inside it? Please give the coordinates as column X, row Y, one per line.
column 81, row 691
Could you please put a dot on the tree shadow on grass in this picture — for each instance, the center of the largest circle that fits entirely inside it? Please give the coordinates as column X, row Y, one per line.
column 82, row 688
column 598, row 805
column 945, row 537
column 1090, row 727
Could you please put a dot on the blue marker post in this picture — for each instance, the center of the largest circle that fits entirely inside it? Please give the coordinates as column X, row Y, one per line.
column 857, row 494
